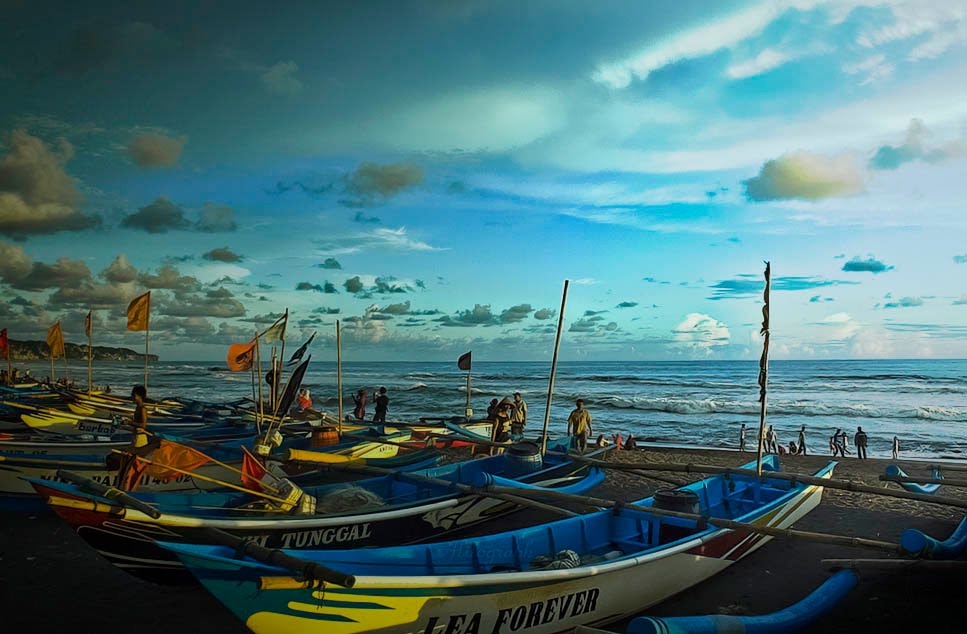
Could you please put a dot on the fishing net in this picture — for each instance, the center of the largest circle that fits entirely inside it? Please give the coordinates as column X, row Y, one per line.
column 352, row 498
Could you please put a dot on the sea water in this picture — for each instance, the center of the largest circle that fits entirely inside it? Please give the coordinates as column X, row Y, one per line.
column 923, row 402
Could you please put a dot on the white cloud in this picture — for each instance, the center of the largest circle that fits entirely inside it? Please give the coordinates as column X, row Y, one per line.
column 872, row 69
column 585, row 281
column 806, row 176
column 381, row 239
column 208, row 273
column 701, row 331
column 765, row 61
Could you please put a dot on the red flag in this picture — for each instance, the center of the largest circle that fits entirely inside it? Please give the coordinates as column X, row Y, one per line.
column 252, row 471
column 464, row 362
column 4, row 343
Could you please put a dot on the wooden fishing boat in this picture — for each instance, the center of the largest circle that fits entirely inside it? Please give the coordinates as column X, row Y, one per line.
column 587, row 570
column 382, row 511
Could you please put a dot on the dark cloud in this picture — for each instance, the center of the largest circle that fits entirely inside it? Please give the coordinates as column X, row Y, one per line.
column 217, row 303
column 396, row 309
column 265, row 319
column 222, row 254
column 870, row 265
column 374, row 183
column 329, row 288
column 330, row 263
column 360, row 217
column 627, row 305
column 282, row 188
column 592, row 313
column 36, row 195
column 120, row 271
column 20, row 271
column 160, row 216
column 904, row 302
column 582, row 325
column 914, row 147
column 156, row 150
column 805, row 176
column 326, row 311
column 817, row 298
column 354, row 285
column 515, row 314
column 307, row 286
column 94, row 295
column 750, row 285
column 839, row 257
column 479, row 315
column 216, row 219
column 652, row 280
column 545, row 313
column 169, row 277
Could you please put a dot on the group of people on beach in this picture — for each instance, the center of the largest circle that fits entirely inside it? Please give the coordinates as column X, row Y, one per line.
column 838, row 443
column 509, row 416
column 381, row 402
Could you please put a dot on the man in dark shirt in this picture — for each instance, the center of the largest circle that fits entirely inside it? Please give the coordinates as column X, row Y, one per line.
column 859, row 439
column 382, row 403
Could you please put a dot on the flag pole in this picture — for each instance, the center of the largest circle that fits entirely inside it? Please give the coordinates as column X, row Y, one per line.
column 278, row 379
column 275, row 381
column 763, row 370
column 467, row 411
column 550, row 385
column 339, row 372
column 90, row 352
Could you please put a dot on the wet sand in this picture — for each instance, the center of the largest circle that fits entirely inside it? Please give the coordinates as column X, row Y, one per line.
column 51, row 580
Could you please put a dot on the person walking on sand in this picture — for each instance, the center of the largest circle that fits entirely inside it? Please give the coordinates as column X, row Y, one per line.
column 382, row 404
column 896, row 448
column 359, row 399
column 579, row 425
column 859, row 439
column 742, row 437
column 801, row 445
column 519, row 418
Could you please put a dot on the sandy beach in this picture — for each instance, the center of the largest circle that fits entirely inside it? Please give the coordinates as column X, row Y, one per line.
column 49, row 578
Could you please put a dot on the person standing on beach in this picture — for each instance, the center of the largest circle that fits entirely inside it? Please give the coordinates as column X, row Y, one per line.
column 382, row 404
column 519, row 418
column 896, row 448
column 579, row 425
column 772, row 440
column 859, row 439
column 359, row 399
column 501, row 432
column 801, row 445
column 139, row 437
column 492, row 409
column 742, row 437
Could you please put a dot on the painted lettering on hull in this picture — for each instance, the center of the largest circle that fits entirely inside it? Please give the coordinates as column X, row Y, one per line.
column 518, row 618
column 331, row 535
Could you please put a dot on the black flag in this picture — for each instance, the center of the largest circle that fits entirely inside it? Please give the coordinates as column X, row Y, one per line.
column 464, row 362
column 291, row 388
column 297, row 355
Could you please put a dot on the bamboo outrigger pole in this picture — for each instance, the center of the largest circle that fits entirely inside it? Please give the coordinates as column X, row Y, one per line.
column 829, row 483
column 550, row 385
column 89, row 327
column 763, row 371
column 339, row 373
column 258, row 363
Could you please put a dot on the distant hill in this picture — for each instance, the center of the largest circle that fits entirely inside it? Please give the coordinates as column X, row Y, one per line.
column 37, row 350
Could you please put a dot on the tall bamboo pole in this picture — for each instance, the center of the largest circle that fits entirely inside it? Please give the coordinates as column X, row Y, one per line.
column 339, row 372
column 550, row 385
column 275, row 381
column 468, row 412
column 278, row 380
column 90, row 353
column 146, row 330
column 763, row 370
column 258, row 364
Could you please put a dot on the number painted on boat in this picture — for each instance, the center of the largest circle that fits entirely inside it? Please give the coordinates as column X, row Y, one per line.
column 520, row 617
column 333, row 535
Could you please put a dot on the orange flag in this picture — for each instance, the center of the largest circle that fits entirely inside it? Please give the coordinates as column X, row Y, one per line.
column 138, row 312
column 172, row 454
column 252, row 471
column 241, row 356
column 55, row 340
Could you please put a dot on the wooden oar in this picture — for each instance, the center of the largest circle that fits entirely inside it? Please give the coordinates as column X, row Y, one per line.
column 897, row 564
column 721, row 522
column 274, row 557
column 506, row 496
column 110, row 493
column 845, row 485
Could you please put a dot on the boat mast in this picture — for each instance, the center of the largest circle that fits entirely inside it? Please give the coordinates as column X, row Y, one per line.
column 550, row 385
column 763, row 371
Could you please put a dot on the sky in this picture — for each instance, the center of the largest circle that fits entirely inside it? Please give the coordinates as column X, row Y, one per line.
column 429, row 173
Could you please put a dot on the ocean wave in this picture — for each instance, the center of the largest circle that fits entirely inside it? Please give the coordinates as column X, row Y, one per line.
column 792, row 408
column 415, row 387
column 891, row 377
